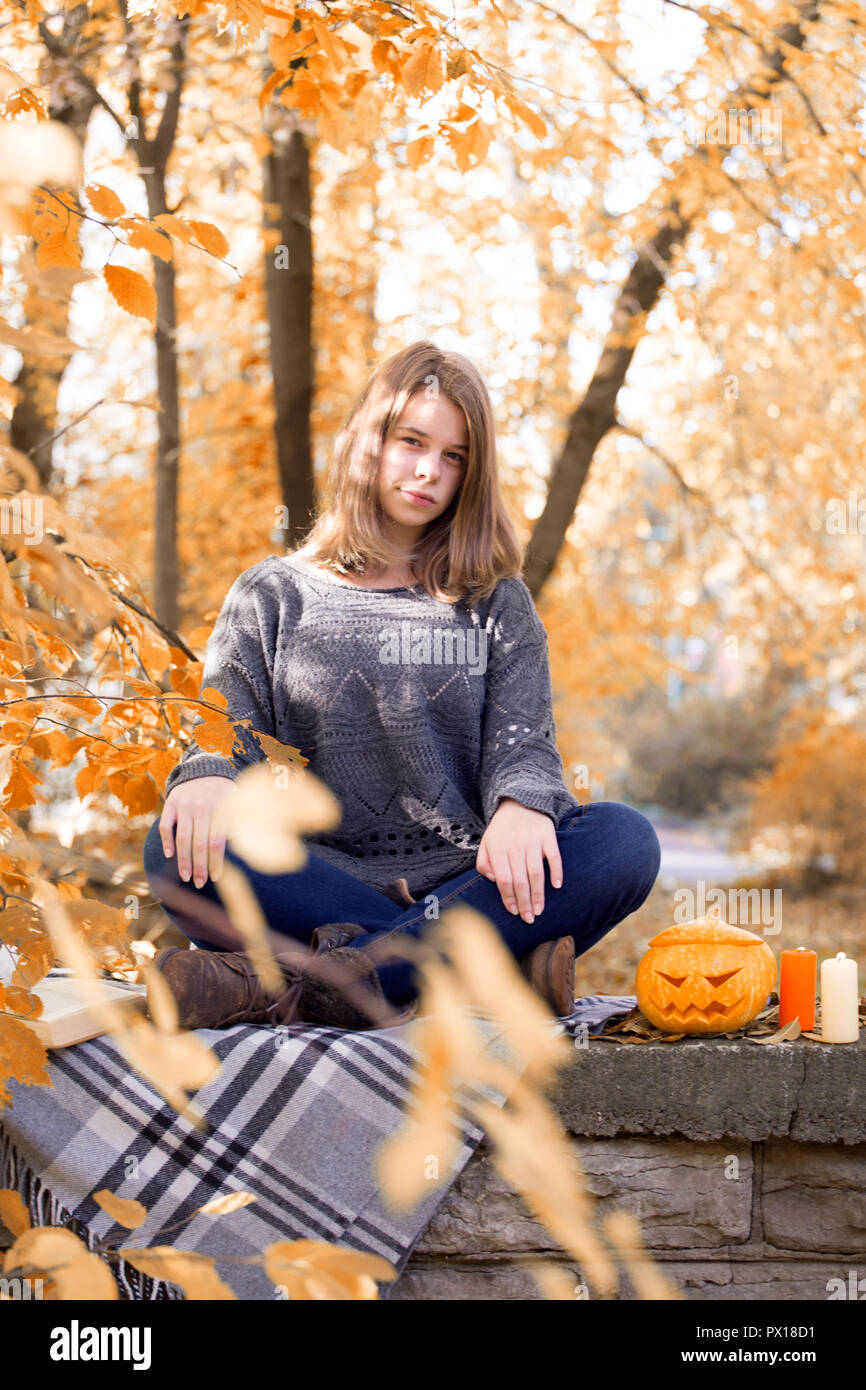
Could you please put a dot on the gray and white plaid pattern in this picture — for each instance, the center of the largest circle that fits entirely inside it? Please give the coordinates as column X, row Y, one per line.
column 294, row 1116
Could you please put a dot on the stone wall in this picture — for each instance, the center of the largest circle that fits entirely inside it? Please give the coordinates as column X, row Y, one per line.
column 744, row 1163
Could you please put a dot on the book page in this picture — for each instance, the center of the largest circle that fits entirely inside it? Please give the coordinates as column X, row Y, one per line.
column 62, row 994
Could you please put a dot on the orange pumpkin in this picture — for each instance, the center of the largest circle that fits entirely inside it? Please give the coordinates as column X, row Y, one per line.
column 704, row 976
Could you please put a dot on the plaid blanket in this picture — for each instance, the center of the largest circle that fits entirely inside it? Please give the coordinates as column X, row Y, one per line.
column 294, row 1116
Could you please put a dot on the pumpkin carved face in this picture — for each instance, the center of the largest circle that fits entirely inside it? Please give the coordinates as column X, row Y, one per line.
column 704, row 977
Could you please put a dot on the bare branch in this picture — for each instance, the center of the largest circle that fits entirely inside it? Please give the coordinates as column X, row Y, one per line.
column 781, row 589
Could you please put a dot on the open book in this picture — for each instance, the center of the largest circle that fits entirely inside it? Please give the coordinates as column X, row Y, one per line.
column 66, row 1016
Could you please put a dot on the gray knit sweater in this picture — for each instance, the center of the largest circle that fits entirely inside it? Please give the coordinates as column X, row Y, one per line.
column 420, row 716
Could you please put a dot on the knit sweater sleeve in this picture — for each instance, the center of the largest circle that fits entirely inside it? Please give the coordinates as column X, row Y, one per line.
column 519, row 757
column 238, row 663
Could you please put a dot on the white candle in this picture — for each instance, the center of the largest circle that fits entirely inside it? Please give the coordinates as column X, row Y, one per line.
column 839, row 1020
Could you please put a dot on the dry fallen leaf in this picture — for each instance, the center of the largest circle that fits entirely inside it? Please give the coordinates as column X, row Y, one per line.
column 124, row 1210
column 313, row 1270
column 75, row 954
column 246, row 914
column 486, row 970
column 230, row 1201
column 624, row 1233
column 75, row 1272
column 267, row 809
column 448, row 1046
column 13, row 1212
column 788, row 1032
column 161, row 1003
column 762, row 1028
column 533, row 1153
column 173, row 1063
column 194, row 1273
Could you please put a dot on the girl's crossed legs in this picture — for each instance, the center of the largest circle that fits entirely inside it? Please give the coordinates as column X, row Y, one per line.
column 610, row 860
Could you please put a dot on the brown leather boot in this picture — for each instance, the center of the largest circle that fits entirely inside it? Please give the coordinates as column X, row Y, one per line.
column 341, row 989
column 325, row 1000
column 332, row 934
column 398, row 891
column 214, row 989
column 550, row 971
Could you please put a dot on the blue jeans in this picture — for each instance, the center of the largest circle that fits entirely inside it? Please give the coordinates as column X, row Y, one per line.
column 610, row 860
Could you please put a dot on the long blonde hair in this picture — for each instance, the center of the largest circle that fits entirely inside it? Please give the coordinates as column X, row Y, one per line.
column 464, row 552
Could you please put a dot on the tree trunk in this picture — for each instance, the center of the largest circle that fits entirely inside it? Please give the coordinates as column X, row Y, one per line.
column 596, row 413
column 289, row 290
column 165, row 561
column 153, row 156
column 70, row 50
column 34, row 418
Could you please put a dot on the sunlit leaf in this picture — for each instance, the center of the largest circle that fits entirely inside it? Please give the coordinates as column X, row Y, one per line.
column 194, row 1273
column 126, row 1211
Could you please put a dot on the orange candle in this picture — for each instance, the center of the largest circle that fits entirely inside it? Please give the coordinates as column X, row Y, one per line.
column 797, row 987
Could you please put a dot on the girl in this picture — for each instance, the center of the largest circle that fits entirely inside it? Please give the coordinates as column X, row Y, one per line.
column 401, row 652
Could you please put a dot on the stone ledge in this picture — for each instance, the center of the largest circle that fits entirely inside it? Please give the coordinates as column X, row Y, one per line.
column 731, row 1154
column 710, row 1282
column 780, row 1202
column 675, row 1188
column 713, row 1088
column 814, row 1197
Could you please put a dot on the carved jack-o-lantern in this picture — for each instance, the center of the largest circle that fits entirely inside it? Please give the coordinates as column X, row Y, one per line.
column 704, row 977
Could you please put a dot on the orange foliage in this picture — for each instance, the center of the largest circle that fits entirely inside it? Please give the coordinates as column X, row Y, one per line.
column 718, row 530
column 814, row 796
column 130, row 741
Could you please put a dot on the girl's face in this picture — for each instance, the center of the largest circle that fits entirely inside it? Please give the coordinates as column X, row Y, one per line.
column 424, row 456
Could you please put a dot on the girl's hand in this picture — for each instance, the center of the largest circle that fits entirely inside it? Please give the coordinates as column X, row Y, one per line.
column 512, row 852
column 187, row 819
